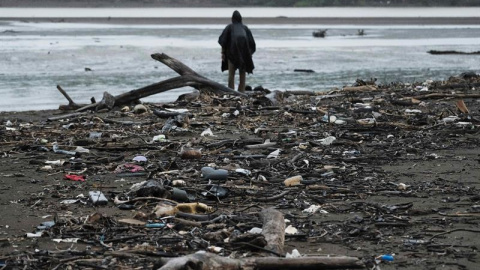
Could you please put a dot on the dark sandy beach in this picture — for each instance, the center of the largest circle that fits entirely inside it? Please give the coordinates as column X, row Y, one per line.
column 407, row 185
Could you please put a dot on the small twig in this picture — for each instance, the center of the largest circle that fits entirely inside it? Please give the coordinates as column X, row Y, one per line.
column 455, row 230
column 272, row 198
column 260, row 248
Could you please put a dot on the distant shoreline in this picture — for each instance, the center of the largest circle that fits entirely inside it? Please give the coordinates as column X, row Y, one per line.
column 194, row 4
column 278, row 20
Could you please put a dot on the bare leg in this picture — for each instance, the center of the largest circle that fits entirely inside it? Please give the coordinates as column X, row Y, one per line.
column 241, row 85
column 231, row 75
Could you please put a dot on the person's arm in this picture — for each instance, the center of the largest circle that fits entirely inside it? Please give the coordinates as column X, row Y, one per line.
column 251, row 41
column 224, row 40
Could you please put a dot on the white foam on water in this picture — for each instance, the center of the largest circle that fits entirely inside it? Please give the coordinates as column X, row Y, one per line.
column 59, row 26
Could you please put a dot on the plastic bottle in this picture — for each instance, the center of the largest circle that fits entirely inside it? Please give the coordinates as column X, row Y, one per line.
column 179, row 195
column 214, row 174
column 293, row 181
column 57, row 150
column 328, row 140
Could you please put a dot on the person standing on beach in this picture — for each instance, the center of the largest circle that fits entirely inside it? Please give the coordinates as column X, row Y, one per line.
column 238, row 47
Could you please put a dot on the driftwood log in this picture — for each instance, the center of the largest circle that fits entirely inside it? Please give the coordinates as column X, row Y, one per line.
column 446, row 95
column 71, row 104
column 360, row 88
column 209, row 261
column 187, row 77
column 273, row 229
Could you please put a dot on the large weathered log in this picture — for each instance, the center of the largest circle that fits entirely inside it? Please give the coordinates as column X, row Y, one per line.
column 449, row 86
column 187, row 77
column 303, row 263
column 445, row 95
column 204, row 261
column 360, row 88
column 273, row 229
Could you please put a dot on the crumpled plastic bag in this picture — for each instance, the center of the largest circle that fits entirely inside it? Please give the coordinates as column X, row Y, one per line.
column 128, row 167
column 74, row 177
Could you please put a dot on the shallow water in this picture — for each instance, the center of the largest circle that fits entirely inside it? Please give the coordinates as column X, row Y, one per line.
column 35, row 57
column 256, row 12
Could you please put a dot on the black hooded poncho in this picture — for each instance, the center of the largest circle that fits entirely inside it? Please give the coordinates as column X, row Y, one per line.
column 238, row 43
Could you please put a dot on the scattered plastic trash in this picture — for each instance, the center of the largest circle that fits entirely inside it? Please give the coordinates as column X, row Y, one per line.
column 295, row 254
column 385, row 257
column 80, row 149
column 312, row 209
column 155, row 225
column 179, row 195
column 450, row 119
column 207, row 132
column 95, row 135
column 35, row 235
column 255, row 230
column 59, row 162
column 274, row 154
column 140, row 159
column 128, row 167
column 291, row 230
column 46, row 168
column 97, row 198
column 159, row 138
column 243, row 172
column 57, row 150
column 69, row 126
column 402, row 186
column 366, row 121
column 215, row 191
column 214, row 174
column 71, row 201
column 179, row 183
column 45, row 225
column 413, row 111
column 66, row 240
column 140, row 108
column 351, row 153
column 293, row 181
column 328, row 140
column 74, row 177
column 329, row 118
column 150, row 188
column 214, row 249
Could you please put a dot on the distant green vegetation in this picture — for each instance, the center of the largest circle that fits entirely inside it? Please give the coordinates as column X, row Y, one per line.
column 225, row 3
column 329, row 3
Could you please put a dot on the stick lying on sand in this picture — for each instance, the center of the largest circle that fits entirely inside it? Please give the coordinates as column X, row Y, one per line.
column 451, row 52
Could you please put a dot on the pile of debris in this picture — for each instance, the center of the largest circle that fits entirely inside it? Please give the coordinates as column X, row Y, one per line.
column 146, row 186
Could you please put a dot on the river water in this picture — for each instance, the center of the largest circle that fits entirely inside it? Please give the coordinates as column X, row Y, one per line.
column 35, row 57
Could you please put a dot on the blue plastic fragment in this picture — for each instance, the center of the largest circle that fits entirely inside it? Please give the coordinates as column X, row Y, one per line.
column 155, row 225
column 386, row 257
